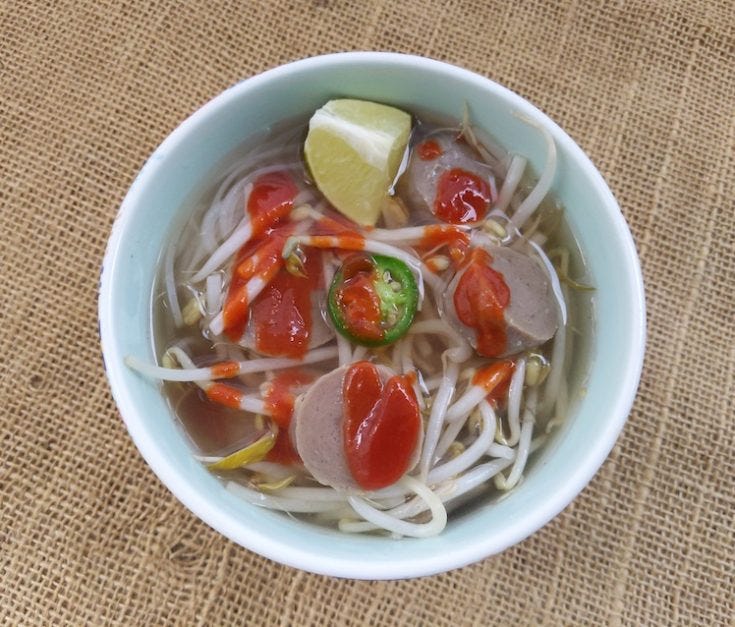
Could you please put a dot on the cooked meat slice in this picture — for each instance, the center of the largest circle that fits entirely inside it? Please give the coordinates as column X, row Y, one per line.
column 445, row 153
column 531, row 316
column 320, row 331
column 317, row 429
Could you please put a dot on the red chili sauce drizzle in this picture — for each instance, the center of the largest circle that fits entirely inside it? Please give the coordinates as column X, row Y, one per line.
column 357, row 299
column 266, row 257
column 279, row 400
column 224, row 394
column 269, row 204
column 480, row 299
column 282, row 311
column 461, row 197
column 270, row 201
column 283, row 451
column 381, row 428
column 236, row 310
column 429, row 150
column 437, row 236
column 495, row 379
column 255, row 259
column 225, row 369
column 334, row 223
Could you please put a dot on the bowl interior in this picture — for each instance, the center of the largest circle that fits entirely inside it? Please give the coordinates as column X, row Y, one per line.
column 186, row 161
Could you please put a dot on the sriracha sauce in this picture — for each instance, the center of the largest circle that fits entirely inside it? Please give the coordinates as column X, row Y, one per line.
column 281, row 313
column 480, row 299
column 429, row 150
column 279, row 400
column 461, row 197
column 382, row 425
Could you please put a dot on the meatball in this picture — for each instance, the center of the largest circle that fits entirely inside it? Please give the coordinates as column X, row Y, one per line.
column 446, row 179
column 506, row 306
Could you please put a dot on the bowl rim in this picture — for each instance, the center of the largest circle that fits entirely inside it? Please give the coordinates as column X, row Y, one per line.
column 297, row 555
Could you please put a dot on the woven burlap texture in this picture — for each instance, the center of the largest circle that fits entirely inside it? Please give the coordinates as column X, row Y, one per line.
column 88, row 535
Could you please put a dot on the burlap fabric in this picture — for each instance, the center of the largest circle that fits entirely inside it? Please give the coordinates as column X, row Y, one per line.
column 88, row 535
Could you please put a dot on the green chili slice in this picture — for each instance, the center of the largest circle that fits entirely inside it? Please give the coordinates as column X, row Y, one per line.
column 372, row 299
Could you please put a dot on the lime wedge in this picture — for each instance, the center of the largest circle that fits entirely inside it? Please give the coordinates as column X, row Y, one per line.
column 354, row 149
column 248, row 455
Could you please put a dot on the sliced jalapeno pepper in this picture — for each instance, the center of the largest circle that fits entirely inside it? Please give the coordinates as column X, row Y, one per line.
column 372, row 299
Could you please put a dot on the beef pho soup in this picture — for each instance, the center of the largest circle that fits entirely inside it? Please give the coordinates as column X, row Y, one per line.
column 368, row 318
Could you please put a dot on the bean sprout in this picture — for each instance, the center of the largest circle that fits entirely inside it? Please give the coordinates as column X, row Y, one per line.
column 402, row 527
column 243, row 367
column 524, row 443
column 476, row 450
column 508, row 189
column 436, row 419
column 533, row 200
column 515, row 394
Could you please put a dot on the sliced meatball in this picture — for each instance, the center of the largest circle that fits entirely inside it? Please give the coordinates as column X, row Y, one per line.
column 320, row 332
column 442, row 162
column 531, row 315
column 317, row 430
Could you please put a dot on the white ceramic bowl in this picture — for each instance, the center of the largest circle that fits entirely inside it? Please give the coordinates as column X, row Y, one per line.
column 186, row 159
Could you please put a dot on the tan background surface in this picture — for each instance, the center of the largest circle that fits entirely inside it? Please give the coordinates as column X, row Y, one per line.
column 88, row 535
